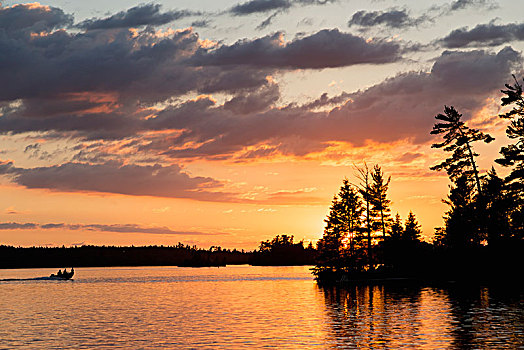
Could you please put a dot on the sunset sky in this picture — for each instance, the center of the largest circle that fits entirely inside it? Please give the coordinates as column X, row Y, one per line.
column 227, row 123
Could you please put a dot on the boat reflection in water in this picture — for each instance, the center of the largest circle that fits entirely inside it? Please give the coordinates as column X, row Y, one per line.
column 412, row 316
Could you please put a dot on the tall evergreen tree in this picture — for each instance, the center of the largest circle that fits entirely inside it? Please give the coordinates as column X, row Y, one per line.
column 397, row 230
column 379, row 200
column 340, row 248
column 412, row 231
column 365, row 190
column 499, row 204
column 513, row 155
column 458, row 138
column 440, row 237
column 461, row 224
column 349, row 210
column 329, row 246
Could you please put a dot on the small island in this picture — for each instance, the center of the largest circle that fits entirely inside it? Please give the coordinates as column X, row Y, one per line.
column 483, row 235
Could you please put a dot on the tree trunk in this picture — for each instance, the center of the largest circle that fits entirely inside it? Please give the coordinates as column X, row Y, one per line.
column 368, row 224
column 472, row 159
column 383, row 225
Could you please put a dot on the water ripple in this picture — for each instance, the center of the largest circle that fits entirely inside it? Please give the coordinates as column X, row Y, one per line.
column 248, row 307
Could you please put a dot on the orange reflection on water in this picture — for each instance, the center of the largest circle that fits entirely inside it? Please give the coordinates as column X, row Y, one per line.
column 246, row 307
column 413, row 316
column 385, row 317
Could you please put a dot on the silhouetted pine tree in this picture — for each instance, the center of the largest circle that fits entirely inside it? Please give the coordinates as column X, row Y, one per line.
column 329, row 257
column 440, row 237
column 379, row 200
column 513, row 155
column 465, row 224
column 350, row 217
column 341, row 247
column 397, row 229
column 458, row 139
column 461, row 225
column 412, row 230
column 365, row 190
column 499, row 204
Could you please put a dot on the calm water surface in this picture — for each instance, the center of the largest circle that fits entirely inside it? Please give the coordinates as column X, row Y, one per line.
column 248, row 307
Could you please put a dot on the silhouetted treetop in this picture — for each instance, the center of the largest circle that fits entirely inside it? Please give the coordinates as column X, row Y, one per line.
column 282, row 250
column 513, row 95
column 396, row 228
column 412, row 230
column 379, row 199
column 279, row 241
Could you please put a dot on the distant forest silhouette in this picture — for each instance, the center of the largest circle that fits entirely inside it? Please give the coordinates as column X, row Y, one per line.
column 482, row 236
column 281, row 250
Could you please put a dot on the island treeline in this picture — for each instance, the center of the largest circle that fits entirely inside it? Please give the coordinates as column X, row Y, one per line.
column 482, row 236
column 281, row 250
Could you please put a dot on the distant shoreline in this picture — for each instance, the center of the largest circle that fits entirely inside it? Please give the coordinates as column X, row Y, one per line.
column 111, row 256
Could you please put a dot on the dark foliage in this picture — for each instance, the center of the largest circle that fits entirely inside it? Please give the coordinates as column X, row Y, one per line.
column 461, row 220
column 513, row 155
column 282, row 251
column 397, row 230
column 380, row 201
column 491, row 215
column 412, row 231
column 343, row 245
column 364, row 189
column 458, row 139
column 483, row 235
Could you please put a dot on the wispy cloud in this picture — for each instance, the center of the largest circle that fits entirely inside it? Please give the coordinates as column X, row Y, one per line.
column 259, row 6
column 394, row 18
column 118, row 228
column 17, row 226
column 401, row 18
column 263, row 6
column 408, row 157
column 147, row 14
column 464, row 4
column 452, row 7
column 324, row 49
column 12, row 211
column 490, row 34
column 156, row 180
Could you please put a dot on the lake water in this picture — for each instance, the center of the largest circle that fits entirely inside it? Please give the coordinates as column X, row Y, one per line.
column 248, row 307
